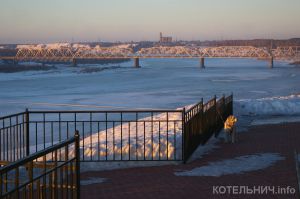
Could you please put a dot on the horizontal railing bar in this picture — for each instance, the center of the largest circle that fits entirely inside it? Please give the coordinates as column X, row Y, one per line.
column 137, row 160
column 198, row 104
column 102, row 121
column 36, row 155
column 13, row 115
column 11, row 126
column 112, row 111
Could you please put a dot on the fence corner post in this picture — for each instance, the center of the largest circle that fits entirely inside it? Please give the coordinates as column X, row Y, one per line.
column 77, row 155
column 183, row 135
column 27, row 132
column 231, row 103
column 216, row 114
column 202, row 113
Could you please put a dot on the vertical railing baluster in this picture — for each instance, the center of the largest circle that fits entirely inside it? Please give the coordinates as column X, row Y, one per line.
column 136, row 135
column 67, row 123
column 1, row 132
column 129, row 140
column 113, row 144
column 91, row 138
column 1, row 184
column 215, row 113
column 10, row 143
column 99, row 149
column 55, row 175
column 67, row 170
column 16, row 182
column 159, row 140
column 24, row 152
column 38, row 187
column 83, row 153
column 36, row 136
column 30, row 175
column 44, row 190
column 52, row 140
column 59, row 132
column 183, row 135
column 50, row 185
column 144, row 141
column 77, row 156
column 106, row 135
column 6, row 186
column 174, row 131
column 7, row 145
column 121, row 136
column 17, row 138
column 72, row 179
column 75, row 120
column 44, row 129
column 167, row 136
column 152, row 147
column 61, row 181
column 14, row 142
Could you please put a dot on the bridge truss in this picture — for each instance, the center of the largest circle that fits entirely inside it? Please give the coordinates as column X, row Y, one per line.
column 69, row 53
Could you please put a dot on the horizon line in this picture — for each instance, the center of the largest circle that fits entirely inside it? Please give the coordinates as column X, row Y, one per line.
column 132, row 41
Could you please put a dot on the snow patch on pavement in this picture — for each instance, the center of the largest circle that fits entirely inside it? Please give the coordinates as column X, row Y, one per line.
column 108, row 166
column 92, row 180
column 275, row 120
column 237, row 165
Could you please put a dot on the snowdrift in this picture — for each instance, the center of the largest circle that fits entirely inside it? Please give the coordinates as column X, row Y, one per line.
column 280, row 105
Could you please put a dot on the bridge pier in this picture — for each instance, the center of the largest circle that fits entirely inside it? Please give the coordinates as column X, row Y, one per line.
column 202, row 64
column 74, row 62
column 15, row 62
column 136, row 62
column 271, row 62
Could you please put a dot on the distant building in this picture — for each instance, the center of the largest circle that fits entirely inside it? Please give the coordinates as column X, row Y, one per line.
column 164, row 39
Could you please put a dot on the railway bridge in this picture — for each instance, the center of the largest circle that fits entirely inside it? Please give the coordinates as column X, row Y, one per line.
column 71, row 54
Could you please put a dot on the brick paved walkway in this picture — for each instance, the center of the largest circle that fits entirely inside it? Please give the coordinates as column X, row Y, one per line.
column 160, row 182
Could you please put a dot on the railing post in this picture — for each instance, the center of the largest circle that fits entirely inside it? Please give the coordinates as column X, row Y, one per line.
column 231, row 106
column 216, row 114
column 27, row 131
column 224, row 109
column 77, row 155
column 202, row 119
column 183, row 136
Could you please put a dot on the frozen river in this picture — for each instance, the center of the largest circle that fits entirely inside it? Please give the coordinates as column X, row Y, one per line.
column 261, row 95
column 159, row 83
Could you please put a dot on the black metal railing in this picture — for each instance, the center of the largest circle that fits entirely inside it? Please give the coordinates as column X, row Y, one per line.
column 44, row 174
column 203, row 120
column 112, row 135
column 13, row 137
column 125, row 135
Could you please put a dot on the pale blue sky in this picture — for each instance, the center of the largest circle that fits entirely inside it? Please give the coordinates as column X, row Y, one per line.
column 25, row 21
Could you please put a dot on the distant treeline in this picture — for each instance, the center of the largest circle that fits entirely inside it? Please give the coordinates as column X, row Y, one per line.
column 255, row 42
